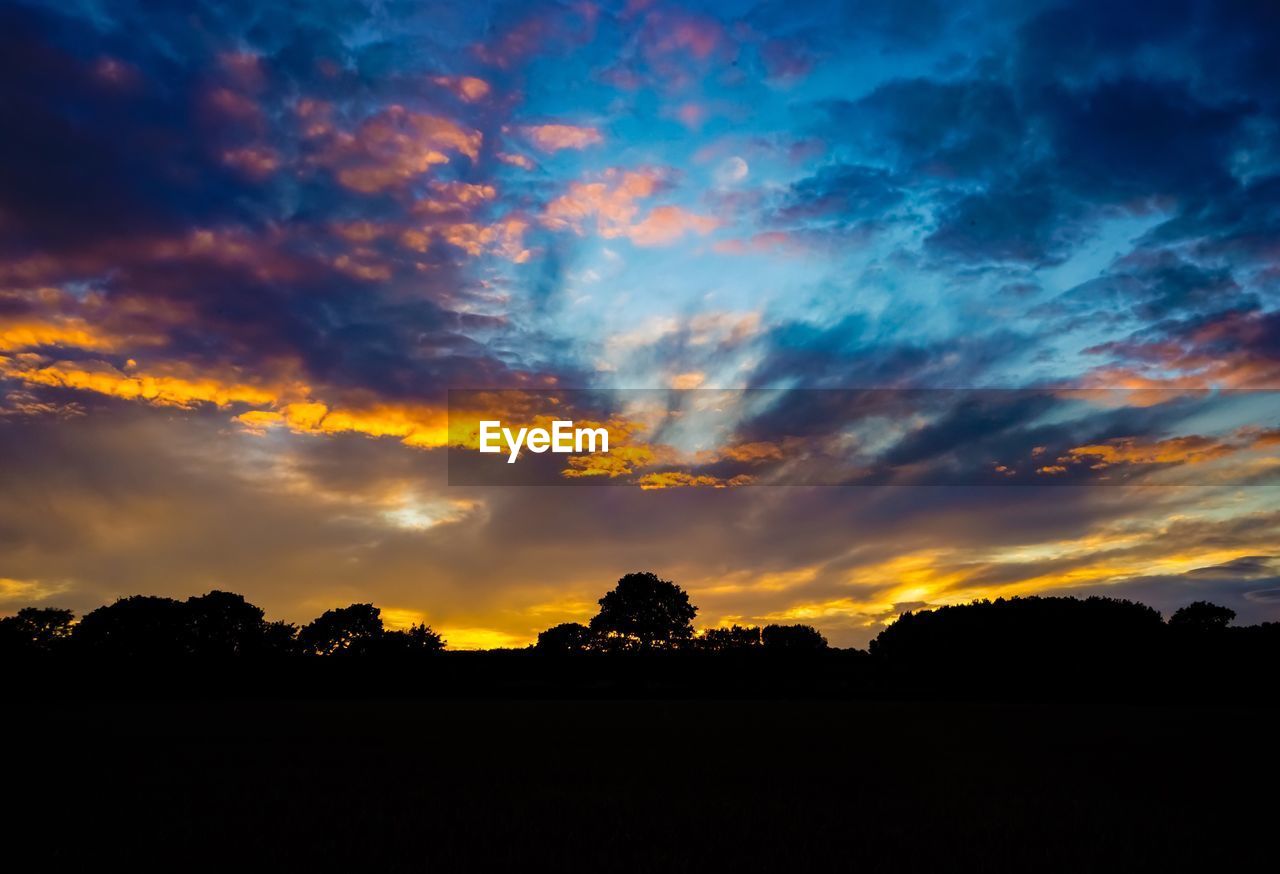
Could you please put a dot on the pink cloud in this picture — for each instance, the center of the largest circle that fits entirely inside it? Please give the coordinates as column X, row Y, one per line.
column 666, row 224
column 553, row 30
column 256, row 162
column 554, row 137
column 244, row 69
column 692, row 115
column 765, row 242
column 233, row 106
column 681, row 33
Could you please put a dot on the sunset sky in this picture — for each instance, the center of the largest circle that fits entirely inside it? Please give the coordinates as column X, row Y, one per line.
column 247, row 248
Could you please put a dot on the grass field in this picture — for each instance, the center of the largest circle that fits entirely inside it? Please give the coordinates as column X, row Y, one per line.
column 645, row 785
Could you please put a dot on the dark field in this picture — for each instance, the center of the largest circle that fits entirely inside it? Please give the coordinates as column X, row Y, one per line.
column 645, row 785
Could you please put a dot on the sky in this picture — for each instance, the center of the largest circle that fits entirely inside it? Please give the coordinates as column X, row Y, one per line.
column 893, row 303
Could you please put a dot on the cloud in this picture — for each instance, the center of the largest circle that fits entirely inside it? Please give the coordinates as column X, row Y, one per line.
column 666, row 224
column 611, row 204
column 241, row 266
column 467, row 88
column 393, row 147
column 554, row 137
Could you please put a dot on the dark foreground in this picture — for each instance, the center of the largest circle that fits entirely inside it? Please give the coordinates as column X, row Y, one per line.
column 641, row 785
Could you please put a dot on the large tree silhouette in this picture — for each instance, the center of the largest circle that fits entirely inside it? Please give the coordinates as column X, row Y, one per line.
column 223, row 624
column 645, row 612
column 141, row 625
column 216, row 625
column 353, row 630
column 1020, row 636
column 1202, row 616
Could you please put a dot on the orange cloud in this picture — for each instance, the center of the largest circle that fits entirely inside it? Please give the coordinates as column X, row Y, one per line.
column 611, row 203
column 554, row 137
column 186, row 390
column 1230, row 352
column 504, row 237
column 1192, row 449
column 754, row 452
column 24, row 333
column 467, row 88
column 517, row 160
column 689, row 380
column 454, row 197
column 418, row 425
column 389, row 148
column 363, row 264
column 676, row 479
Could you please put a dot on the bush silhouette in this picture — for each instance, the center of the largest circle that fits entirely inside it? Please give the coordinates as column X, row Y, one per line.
column 732, row 639
column 792, row 638
column 567, row 637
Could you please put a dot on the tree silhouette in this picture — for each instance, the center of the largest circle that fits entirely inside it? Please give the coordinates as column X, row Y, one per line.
column 645, row 612
column 733, row 639
column 792, row 638
column 141, row 625
column 277, row 638
column 1020, row 636
column 417, row 640
column 567, row 637
column 353, row 630
column 35, row 629
column 1202, row 616
column 223, row 624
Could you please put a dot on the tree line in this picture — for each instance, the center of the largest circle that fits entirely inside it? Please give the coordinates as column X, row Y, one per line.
column 643, row 613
